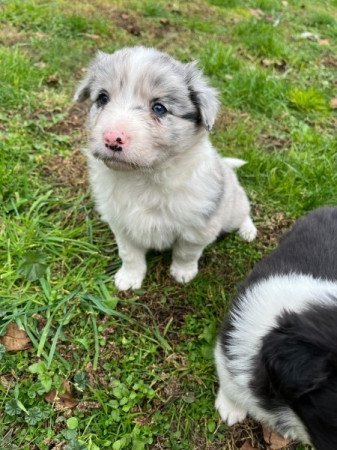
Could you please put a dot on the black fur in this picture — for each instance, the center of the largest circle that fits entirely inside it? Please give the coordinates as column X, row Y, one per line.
column 192, row 117
column 310, row 247
column 196, row 102
column 297, row 366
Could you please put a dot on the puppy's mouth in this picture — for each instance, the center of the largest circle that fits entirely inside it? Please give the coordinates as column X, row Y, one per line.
column 113, row 161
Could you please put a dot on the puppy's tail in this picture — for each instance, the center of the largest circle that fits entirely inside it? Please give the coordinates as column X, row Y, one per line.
column 234, row 163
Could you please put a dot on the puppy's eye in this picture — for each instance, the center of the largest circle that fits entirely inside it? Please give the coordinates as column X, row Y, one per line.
column 159, row 109
column 102, row 99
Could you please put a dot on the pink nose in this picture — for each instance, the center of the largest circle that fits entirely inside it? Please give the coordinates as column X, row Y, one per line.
column 116, row 140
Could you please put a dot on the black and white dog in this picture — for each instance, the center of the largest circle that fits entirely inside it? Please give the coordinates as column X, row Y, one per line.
column 276, row 354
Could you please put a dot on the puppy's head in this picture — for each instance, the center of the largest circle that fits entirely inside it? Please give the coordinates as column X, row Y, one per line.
column 146, row 107
column 300, row 359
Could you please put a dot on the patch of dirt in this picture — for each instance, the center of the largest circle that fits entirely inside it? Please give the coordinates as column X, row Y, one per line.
column 85, row 406
column 228, row 117
column 243, row 436
column 271, row 228
column 67, row 171
column 10, row 35
column 280, row 65
column 164, row 29
column 129, row 22
column 171, row 391
column 173, row 310
column 330, row 61
column 239, row 434
column 273, row 143
column 249, row 435
column 74, row 120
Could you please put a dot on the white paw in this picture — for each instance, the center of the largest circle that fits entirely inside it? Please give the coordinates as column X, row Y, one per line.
column 248, row 230
column 183, row 274
column 128, row 279
column 229, row 412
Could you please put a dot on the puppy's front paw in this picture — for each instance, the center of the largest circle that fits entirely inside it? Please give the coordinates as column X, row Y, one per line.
column 183, row 274
column 229, row 412
column 128, row 279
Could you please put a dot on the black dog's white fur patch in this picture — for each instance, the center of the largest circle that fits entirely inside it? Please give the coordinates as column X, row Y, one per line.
column 276, row 354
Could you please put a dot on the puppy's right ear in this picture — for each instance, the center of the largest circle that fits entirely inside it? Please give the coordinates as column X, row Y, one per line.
column 84, row 88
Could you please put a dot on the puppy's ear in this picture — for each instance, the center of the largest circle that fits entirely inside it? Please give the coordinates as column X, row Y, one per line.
column 294, row 366
column 300, row 361
column 84, row 88
column 202, row 95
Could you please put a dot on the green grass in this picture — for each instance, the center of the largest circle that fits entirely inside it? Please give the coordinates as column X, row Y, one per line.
column 140, row 364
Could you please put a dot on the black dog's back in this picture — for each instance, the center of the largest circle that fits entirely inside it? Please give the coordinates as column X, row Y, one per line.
column 310, row 248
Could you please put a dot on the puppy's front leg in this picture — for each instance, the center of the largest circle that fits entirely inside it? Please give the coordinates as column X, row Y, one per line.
column 132, row 272
column 185, row 258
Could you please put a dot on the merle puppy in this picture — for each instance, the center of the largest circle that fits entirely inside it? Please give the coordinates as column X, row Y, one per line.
column 156, row 178
column 276, row 354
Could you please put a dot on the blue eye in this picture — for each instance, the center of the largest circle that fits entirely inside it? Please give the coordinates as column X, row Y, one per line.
column 159, row 109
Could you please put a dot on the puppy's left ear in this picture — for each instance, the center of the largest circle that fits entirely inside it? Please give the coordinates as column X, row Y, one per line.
column 202, row 95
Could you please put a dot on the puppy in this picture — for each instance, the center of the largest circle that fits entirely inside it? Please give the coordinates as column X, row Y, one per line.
column 156, row 178
column 276, row 354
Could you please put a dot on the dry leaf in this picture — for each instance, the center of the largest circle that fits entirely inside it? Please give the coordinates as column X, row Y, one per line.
column 323, row 41
column 273, row 439
column 61, row 401
column 333, row 103
column 15, row 339
column 247, row 446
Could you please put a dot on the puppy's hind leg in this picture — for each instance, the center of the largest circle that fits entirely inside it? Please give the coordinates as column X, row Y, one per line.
column 248, row 230
column 185, row 258
column 132, row 272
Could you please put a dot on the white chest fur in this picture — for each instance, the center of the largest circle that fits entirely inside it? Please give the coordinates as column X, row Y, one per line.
column 155, row 208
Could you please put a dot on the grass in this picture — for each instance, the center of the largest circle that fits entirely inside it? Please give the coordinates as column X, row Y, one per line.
column 136, row 369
